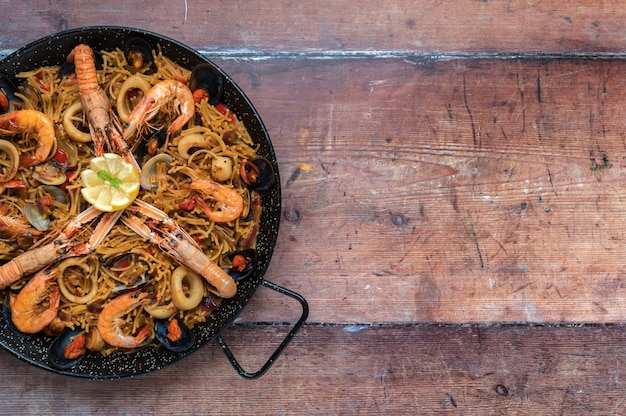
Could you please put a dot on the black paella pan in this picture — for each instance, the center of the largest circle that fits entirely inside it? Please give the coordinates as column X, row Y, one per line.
column 53, row 50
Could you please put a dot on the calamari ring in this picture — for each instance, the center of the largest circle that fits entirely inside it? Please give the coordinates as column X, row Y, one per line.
column 123, row 106
column 183, row 301
column 161, row 311
column 14, row 158
column 93, row 289
column 70, row 128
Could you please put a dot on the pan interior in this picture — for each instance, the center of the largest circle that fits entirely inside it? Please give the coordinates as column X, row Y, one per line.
column 53, row 50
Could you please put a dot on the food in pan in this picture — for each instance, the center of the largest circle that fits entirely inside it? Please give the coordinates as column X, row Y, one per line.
column 129, row 202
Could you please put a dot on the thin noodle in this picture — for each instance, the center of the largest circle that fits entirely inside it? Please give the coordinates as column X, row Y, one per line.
column 124, row 261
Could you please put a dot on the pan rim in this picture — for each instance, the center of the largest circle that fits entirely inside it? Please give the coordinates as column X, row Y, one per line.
column 239, row 100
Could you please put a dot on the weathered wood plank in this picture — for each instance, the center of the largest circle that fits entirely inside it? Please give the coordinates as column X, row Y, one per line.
column 343, row 370
column 372, row 26
column 444, row 191
column 447, row 191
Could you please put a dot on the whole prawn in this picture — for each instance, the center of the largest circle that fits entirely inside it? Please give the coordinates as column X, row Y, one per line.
column 111, row 321
column 162, row 96
column 30, row 121
column 103, row 124
column 29, row 311
column 179, row 245
column 229, row 202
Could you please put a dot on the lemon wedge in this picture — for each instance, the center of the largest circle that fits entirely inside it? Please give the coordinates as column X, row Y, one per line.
column 110, row 184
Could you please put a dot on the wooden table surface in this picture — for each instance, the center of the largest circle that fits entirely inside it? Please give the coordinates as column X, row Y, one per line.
column 452, row 177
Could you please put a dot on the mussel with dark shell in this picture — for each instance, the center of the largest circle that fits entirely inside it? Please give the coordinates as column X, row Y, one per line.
column 174, row 335
column 257, row 173
column 206, row 81
column 7, row 94
column 138, row 52
column 147, row 147
column 242, row 263
column 68, row 349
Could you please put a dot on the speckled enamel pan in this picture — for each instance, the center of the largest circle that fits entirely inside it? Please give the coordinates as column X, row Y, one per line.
column 53, row 50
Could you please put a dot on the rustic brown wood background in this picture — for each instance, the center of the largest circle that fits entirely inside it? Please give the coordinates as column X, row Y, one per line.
column 452, row 177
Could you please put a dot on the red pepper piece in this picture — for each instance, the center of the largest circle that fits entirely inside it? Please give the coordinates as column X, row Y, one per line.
column 40, row 83
column 223, row 109
column 123, row 264
column 60, row 156
column 68, row 177
column 187, row 206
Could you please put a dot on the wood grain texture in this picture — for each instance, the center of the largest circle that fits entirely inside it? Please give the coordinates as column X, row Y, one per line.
column 437, row 168
column 334, row 27
column 448, row 191
column 373, row 370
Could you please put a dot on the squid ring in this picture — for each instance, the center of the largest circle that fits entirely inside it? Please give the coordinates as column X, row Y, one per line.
column 188, row 301
column 14, row 157
column 93, row 289
column 70, row 128
column 123, row 106
column 161, row 311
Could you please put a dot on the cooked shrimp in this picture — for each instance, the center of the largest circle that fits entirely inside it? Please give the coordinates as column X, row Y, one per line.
column 37, row 304
column 111, row 321
column 162, row 96
column 30, row 121
column 229, row 202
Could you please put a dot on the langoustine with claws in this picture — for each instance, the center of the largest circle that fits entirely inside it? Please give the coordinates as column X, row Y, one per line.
column 178, row 244
column 103, row 123
column 169, row 232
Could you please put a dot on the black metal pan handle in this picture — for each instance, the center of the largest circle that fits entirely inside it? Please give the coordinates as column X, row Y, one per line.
column 305, row 313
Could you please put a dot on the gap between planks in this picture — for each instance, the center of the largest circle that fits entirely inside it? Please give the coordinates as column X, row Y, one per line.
column 254, row 55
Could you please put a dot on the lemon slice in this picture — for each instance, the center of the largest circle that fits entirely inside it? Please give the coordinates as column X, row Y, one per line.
column 110, row 183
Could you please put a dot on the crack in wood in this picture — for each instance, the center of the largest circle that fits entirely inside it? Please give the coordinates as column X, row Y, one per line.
column 475, row 136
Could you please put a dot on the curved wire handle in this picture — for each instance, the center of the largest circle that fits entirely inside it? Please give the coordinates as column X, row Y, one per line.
column 305, row 313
